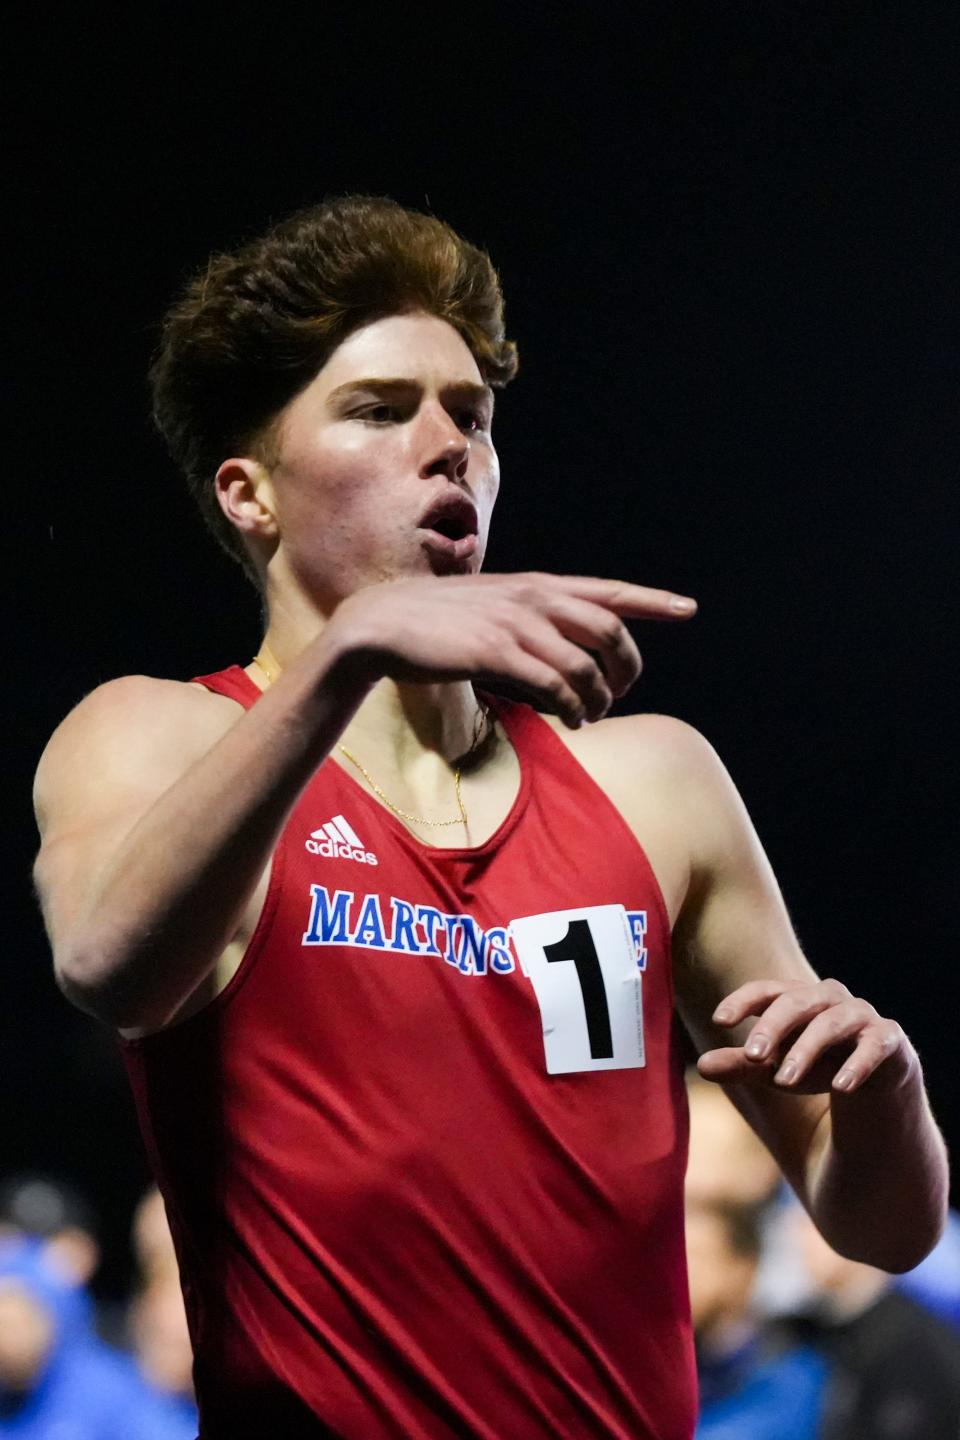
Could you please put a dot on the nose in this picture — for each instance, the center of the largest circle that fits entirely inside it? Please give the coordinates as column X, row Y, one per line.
column 445, row 448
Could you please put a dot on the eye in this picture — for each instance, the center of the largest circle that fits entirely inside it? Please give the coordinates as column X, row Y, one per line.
column 381, row 414
column 470, row 420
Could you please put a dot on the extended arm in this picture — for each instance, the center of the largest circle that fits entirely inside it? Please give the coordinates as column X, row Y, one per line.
column 159, row 809
column 835, row 1090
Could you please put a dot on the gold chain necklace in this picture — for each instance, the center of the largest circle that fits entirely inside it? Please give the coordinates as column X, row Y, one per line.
column 270, row 666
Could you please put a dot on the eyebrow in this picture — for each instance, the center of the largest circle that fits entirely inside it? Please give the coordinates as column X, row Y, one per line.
column 461, row 389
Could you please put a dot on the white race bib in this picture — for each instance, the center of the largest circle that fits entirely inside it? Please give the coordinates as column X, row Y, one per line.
column 583, row 967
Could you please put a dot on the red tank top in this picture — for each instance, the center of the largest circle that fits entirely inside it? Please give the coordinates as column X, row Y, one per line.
column 392, row 1219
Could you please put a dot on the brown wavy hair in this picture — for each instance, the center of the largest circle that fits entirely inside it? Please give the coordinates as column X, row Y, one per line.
column 258, row 323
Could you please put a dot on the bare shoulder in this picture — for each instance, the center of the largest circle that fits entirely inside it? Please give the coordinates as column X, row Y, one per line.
column 132, row 734
column 667, row 783
column 640, row 749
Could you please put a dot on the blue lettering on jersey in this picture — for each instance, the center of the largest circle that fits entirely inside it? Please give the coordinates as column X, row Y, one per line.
column 470, row 948
column 404, row 934
column 637, row 920
column 345, row 918
column 328, row 924
column 369, row 929
column 498, row 951
column 429, row 919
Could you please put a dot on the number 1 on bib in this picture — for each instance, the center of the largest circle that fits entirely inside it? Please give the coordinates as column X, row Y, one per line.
column 583, row 967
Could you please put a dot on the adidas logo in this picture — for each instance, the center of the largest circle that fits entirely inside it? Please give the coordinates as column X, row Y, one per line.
column 337, row 840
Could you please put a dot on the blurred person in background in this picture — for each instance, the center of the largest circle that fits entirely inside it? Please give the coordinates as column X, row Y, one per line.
column 728, row 1164
column 53, row 1211
column 895, row 1367
column 749, row 1380
column 58, row 1381
column 150, row 1238
column 852, row 1313
column 157, row 1321
column 727, row 1161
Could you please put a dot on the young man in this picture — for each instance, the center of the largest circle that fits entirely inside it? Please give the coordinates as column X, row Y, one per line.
column 391, row 966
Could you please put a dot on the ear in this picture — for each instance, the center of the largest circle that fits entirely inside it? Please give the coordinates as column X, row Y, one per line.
column 245, row 495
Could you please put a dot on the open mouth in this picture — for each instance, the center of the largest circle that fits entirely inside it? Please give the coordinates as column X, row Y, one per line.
column 452, row 516
column 454, row 527
column 449, row 529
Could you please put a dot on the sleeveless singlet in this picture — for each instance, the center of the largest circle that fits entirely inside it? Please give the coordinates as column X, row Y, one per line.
column 393, row 1220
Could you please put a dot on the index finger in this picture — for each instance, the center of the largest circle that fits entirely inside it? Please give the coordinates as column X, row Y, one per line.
column 751, row 998
column 638, row 602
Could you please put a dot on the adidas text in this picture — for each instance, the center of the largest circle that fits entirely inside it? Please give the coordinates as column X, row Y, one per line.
column 341, row 852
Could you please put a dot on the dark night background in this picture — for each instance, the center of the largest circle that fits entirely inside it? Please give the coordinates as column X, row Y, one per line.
column 728, row 240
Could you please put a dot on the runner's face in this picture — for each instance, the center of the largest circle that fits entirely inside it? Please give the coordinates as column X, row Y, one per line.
column 386, row 463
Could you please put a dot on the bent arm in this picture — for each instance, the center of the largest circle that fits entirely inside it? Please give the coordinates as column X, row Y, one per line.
column 878, row 1178
column 864, row 1155
column 159, row 811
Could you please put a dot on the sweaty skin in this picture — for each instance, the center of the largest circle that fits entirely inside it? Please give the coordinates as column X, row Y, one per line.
column 160, row 803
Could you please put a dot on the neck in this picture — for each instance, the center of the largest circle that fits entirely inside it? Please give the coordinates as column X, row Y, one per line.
column 407, row 722
column 404, row 720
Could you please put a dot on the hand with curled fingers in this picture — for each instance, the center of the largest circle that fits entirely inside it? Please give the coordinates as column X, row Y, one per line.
column 809, row 1037
column 558, row 641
